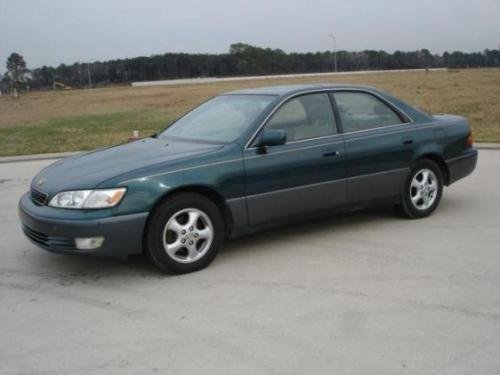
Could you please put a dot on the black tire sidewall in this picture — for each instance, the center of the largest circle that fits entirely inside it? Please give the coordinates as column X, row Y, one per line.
column 408, row 208
column 159, row 217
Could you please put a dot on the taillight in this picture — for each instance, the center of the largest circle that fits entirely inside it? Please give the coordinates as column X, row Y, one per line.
column 470, row 140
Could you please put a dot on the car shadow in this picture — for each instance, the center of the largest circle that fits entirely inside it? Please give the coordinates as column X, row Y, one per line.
column 69, row 269
column 312, row 227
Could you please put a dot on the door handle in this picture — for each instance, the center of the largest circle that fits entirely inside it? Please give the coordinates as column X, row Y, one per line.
column 408, row 141
column 327, row 153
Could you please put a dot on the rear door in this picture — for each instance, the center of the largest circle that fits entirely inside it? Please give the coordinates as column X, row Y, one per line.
column 305, row 175
column 380, row 142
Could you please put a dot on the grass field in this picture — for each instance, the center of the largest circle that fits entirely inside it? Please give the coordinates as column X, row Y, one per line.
column 54, row 121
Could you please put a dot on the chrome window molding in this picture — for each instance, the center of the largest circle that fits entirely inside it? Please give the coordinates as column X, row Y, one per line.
column 378, row 128
column 285, row 151
column 336, row 135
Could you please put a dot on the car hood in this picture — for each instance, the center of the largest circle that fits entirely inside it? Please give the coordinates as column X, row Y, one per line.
column 86, row 171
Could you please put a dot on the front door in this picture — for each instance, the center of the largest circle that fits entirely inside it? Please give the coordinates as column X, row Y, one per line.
column 303, row 176
column 380, row 143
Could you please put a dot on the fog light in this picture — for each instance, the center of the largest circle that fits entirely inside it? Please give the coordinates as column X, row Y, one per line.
column 89, row 243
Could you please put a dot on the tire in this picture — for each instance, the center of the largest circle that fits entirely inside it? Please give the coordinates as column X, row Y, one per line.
column 423, row 189
column 184, row 233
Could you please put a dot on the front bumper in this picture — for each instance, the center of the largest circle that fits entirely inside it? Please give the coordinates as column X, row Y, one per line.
column 122, row 234
column 461, row 166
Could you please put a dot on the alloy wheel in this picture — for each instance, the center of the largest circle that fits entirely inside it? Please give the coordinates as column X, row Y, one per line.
column 423, row 189
column 188, row 235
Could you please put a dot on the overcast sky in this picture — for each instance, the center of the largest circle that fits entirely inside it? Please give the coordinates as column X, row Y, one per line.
column 53, row 31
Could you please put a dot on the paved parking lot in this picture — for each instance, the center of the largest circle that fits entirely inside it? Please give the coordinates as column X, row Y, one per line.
column 361, row 293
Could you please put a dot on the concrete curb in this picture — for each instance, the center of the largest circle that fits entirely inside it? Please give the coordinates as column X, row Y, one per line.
column 487, row 146
column 61, row 155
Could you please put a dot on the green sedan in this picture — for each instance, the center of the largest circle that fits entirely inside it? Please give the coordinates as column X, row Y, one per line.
column 243, row 161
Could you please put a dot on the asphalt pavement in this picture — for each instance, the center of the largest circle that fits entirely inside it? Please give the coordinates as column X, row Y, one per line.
column 360, row 293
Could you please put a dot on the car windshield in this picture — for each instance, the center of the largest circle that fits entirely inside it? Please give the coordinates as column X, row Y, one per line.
column 221, row 119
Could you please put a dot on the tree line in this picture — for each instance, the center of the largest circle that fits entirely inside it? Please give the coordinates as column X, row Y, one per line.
column 241, row 60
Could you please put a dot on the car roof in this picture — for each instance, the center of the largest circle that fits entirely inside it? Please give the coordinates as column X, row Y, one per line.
column 286, row 90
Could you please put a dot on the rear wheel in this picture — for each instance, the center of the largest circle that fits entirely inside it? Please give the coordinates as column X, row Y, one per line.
column 184, row 233
column 423, row 189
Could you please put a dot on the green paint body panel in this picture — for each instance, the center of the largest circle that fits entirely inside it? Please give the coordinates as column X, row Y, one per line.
column 255, row 186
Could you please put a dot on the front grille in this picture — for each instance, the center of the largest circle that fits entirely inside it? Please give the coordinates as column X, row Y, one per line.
column 49, row 242
column 38, row 197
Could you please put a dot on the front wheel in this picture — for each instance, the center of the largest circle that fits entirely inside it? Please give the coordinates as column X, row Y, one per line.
column 184, row 233
column 423, row 189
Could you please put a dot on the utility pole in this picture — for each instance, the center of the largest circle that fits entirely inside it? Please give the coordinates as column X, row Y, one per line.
column 334, row 51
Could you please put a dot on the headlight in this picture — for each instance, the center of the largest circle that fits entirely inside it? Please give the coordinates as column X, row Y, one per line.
column 100, row 198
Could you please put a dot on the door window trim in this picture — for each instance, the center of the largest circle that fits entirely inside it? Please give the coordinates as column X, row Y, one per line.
column 335, row 125
column 340, row 131
column 252, row 139
column 403, row 116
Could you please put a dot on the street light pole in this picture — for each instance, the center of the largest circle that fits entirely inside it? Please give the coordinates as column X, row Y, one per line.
column 88, row 72
column 334, row 51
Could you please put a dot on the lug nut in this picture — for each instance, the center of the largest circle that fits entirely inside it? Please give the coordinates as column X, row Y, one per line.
column 183, row 231
column 190, row 242
column 196, row 234
column 183, row 240
column 191, row 229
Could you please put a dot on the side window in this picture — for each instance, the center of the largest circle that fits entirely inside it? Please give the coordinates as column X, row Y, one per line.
column 304, row 117
column 362, row 111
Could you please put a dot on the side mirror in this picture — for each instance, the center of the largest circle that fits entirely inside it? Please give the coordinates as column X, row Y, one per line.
column 272, row 137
